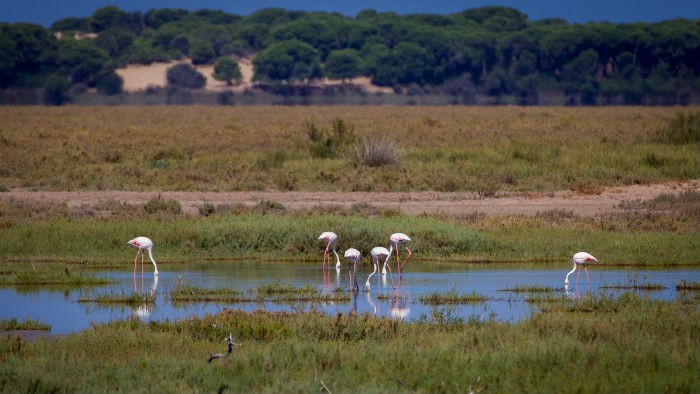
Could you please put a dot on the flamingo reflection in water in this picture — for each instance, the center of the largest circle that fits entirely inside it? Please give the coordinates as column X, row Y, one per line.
column 145, row 309
column 399, row 306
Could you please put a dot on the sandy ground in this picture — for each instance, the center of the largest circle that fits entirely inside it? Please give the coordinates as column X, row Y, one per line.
column 141, row 77
column 414, row 203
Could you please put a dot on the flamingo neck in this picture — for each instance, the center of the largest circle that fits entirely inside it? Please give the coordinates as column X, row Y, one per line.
column 150, row 255
column 337, row 259
column 391, row 249
column 570, row 272
column 370, row 275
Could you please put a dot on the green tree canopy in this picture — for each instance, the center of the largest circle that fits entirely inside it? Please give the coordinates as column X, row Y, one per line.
column 287, row 61
column 183, row 75
column 227, row 69
column 344, row 64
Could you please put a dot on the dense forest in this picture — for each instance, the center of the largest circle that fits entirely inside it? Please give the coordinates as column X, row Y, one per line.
column 493, row 53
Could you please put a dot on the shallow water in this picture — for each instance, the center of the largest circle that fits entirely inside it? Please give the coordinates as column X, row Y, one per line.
column 65, row 314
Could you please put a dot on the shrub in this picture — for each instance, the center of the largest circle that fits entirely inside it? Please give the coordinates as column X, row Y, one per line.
column 185, row 76
column 683, row 129
column 158, row 204
column 376, row 152
column 325, row 144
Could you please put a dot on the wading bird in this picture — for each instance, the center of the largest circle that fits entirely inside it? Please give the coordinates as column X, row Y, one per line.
column 353, row 256
column 230, row 349
column 378, row 254
column 580, row 259
column 143, row 243
column 331, row 240
column 395, row 241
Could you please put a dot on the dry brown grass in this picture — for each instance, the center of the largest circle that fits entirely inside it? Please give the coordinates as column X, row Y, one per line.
column 263, row 148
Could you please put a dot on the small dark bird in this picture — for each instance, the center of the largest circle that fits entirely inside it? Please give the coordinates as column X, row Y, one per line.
column 229, row 339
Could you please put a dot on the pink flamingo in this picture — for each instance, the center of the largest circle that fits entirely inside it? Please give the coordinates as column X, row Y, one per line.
column 395, row 241
column 377, row 254
column 331, row 239
column 580, row 259
column 143, row 243
column 353, row 256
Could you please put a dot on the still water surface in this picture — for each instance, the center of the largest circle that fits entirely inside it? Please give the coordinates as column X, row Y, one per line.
column 61, row 309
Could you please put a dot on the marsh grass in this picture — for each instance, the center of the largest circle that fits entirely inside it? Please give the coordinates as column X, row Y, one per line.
column 687, row 285
column 530, row 289
column 120, row 298
column 26, row 324
column 52, row 277
column 452, row 297
column 189, row 293
column 288, row 236
column 624, row 344
column 635, row 286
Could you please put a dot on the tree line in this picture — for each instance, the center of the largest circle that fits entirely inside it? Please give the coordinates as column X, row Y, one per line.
column 488, row 51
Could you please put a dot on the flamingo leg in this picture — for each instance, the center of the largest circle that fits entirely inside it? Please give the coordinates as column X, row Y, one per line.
column 579, row 274
column 136, row 258
column 586, row 269
column 326, row 255
column 143, row 254
column 398, row 261
column 406, row 259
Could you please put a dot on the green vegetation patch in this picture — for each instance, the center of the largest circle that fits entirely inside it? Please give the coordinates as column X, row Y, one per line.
column 26, row 324
column 452, row 297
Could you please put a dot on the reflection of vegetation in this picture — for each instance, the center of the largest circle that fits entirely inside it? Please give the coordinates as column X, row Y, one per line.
column 26, row 324
column 452, row 297
column 619, row 343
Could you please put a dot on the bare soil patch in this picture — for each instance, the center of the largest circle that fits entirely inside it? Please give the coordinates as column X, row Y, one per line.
column 411, row 203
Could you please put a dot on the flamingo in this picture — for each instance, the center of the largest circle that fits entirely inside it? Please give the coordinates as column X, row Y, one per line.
column 377, row 254
column 395, row 241
column 353, row 256
column 331, row 239
column 580, row 259
column 143, row 243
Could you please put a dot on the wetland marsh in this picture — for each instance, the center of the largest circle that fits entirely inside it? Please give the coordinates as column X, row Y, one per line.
column 481, row 306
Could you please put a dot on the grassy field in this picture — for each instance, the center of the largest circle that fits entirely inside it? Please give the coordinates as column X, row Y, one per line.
column 624, row 344
column 484, row 149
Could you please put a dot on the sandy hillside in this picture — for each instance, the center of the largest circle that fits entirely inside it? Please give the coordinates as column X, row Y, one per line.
column 140, row 77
